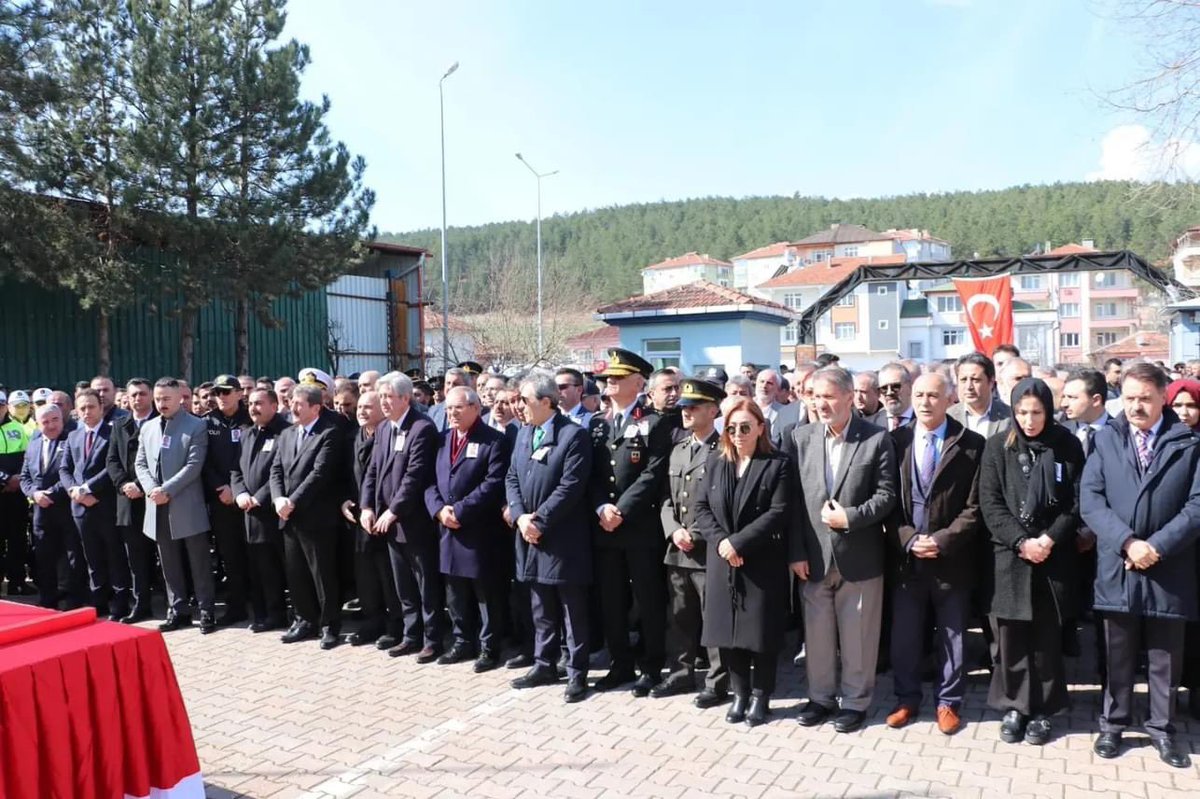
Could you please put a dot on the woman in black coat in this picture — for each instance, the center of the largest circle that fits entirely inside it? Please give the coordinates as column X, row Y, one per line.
column 742, row 514
column 1029, row 494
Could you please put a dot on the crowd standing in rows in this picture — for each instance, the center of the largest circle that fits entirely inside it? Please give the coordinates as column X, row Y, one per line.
column 683, row 524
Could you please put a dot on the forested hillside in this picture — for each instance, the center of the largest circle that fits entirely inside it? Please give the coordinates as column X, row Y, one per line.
column 608, row 247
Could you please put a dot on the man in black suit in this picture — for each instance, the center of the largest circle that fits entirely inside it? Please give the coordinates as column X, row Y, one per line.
column 306, row 488
column 84, row 475
column 226, row 425
column 131, row 500
column 393, row 505
column 932, row 534
column 630, row 449
column 250, row 481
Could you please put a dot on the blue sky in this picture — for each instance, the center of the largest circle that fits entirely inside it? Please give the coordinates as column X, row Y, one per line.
column 644, row 101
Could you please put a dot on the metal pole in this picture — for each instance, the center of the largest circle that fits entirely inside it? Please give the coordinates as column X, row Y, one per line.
column 445, row 273
column 538, row 176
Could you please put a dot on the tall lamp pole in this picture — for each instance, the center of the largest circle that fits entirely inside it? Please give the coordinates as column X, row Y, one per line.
column 539, row 176
column 445, row 273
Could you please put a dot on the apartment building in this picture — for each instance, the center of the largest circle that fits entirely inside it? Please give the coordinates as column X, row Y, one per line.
column 685, row 269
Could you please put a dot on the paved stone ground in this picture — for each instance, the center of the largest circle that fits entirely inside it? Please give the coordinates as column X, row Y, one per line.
column 292, row 721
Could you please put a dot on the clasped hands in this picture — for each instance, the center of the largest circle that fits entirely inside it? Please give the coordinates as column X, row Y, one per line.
column 1140, row 555
column 1036, row 550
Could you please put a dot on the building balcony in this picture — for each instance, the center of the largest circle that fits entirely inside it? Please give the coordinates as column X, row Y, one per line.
column 1113, row 321
column 1131, row 292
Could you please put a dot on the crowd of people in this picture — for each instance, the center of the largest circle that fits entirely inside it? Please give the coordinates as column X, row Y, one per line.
column 682, row 523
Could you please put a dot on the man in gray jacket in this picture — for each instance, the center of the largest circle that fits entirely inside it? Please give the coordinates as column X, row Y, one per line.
column 169, row 463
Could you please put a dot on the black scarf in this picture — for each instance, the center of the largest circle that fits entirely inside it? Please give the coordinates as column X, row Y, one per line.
column 1036, row 454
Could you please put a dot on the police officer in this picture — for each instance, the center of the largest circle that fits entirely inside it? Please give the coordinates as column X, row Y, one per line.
column 227, row 424
column 686, row 550
column 630, row 450
column 14, row 508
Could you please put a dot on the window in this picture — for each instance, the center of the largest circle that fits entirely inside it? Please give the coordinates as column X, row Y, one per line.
column 883, row 324
column 1068, row 280
column 1106, row 338
column 794, row 300
column 916, row 350
column 949, row 304
column 820, row 256
column 661, row 351
column 846, row 302
column 1069, row 310
column 1110, row 280
column 1031, row 282
column 850, row 251
column 790, row 332
column 881, row 289
column 845, row 330
column 953, row 336
column 1105, row 310
column 1068, row 340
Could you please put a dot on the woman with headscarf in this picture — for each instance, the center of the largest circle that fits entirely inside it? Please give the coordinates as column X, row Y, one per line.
column 1184, row 398
column 1029, row 495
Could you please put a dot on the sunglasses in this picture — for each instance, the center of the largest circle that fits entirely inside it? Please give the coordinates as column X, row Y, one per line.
column 891, row 388
column 40, row 403
column 742, row 428
column 224, row 391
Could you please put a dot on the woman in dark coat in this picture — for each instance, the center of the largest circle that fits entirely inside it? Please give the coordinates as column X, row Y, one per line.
column 742, row 515
column 1184, row 398
column 1029, row 494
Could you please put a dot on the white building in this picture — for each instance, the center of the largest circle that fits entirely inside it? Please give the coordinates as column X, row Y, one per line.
column 686, row 269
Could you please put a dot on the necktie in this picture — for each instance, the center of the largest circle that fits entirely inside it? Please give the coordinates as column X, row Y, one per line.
column 893, row 422
column 1088, row 433
column 1143, row 448
column 538, row 434
column 928, row 462
column 87, row 445
column 45, row 454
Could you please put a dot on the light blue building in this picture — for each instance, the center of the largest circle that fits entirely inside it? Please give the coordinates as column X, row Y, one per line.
column 698, row 325
column 1185, row 330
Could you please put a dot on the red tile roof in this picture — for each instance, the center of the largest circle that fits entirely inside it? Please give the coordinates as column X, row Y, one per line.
column 701, row 294
column 599, row 339
column 1071, row 249
column 769, row 251
column 827, row 273
column 689, row 259
column 1144, row 344
column 910, row 234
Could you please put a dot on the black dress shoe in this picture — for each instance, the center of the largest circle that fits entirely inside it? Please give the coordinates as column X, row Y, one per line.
column 456, row 654
column 814, row 714
column 1037, row 731
column 175, row 621
column 232, row 617
column 1107, row 745
column 849, row 720
column 737, row 711
column 673, row 686
column 645, row 684
column 615, row 679
column 429, row 654
column 486, row 661
column 387, row 641
column 267, row 624
column 1170, row 753
column 710, row 698
column 577, row 690
column 137, row 615
column 208, row 622
column 404, row 648
column 363, row 637
column 1012, row 727
column 536, row 677
column 299, row 631
column 561, row 667
column 330, row 637
column 521, row 661
column 760, row 708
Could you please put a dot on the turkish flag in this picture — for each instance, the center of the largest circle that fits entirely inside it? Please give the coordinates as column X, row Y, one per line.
column 987, row 306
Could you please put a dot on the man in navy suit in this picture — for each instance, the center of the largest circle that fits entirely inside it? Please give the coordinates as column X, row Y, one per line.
column 84, row 475
column 466, row 499
column 393, row 503
column 54, row 532
column 547, row 488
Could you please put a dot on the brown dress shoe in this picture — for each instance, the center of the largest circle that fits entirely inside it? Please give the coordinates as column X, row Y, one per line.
column 948, row 721
column 902, row 716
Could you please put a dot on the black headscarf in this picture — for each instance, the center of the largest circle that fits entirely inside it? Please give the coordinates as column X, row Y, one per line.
column 1036, row 454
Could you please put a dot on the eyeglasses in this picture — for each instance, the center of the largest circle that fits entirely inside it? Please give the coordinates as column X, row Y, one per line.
column 889, row 388
column 225, row 391
column 40, row 403
column 742, row 428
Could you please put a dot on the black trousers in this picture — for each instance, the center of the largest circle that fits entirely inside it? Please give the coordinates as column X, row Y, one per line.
column 1191, row 656
column 520, row 606
column 381, row 609
column 685, row 622
column 108, row 566
column 419, row 585
column 750, row 672
column 310, row 558
column 1126, row 637
column 265, row 561
column 1031, row 677
column 139, row 552
column 229, row 531
column 617, row 570
column 475, row 611
column 55, row 540
column 560, row 611
column 14, row 524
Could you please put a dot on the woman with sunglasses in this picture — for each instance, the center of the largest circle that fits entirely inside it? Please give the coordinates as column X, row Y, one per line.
column 743, row 514
column 1029, row 495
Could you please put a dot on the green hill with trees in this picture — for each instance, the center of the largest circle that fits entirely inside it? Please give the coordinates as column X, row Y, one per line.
column 605, row 249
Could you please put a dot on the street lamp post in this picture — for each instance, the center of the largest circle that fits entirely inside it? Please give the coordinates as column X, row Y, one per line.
column 445, row 273
column 539, row 176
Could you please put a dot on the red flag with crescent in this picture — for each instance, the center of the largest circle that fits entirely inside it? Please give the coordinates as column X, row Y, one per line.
column 987, row 307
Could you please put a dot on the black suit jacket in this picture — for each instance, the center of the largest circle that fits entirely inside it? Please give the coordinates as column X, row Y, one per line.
column 310, row 476
column 252, row 475
column 122, row 452
column 629, row 468
column 401, row 469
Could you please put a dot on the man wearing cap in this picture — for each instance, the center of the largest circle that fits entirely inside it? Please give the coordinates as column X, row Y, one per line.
column 226, row 426
column 131, row 500
column 13, row 505
column 630, row 451
column 21, row 410
column 686, row 552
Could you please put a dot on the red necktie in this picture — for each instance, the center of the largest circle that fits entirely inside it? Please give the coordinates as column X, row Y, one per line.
column 87, row 445
column 893, row 422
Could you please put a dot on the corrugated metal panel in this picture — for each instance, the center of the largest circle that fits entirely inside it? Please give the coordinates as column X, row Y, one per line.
column 47, row 339
column 358, row 316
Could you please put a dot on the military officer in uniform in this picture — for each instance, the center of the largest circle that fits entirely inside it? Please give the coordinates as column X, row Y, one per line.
column 226, row 426
column 630, row 450
column 686, row 551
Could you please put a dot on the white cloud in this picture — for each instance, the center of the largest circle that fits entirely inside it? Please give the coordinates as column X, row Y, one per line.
column 1129, row 152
